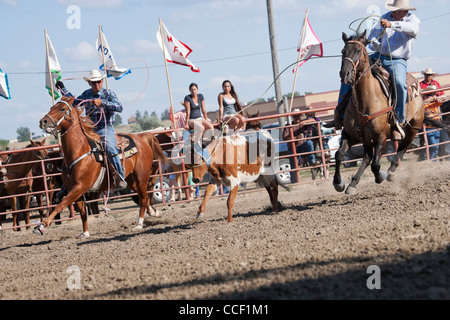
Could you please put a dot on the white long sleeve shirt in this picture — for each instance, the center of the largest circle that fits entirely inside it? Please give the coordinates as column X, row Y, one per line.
column 399, row 39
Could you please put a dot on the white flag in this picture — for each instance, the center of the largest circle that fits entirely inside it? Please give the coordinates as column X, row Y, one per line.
column 4, row 87
column 175, row 50
column 111, row 66
column 309, row 44
column 54, row 68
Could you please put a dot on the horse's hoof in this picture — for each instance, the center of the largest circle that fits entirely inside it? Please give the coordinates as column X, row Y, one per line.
column 382, row 175
column 138, row 227
column 84, row 235
column 39, row 230
column 350, row 191
column 155, row 213
column 339, row 187
column 391, row 176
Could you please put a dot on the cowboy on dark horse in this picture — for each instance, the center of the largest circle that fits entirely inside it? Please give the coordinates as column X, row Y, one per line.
column 392, row 42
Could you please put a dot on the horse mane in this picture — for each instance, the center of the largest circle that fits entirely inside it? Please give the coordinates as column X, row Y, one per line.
column 88, row 127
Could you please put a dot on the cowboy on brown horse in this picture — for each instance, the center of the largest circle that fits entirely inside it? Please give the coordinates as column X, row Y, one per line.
column 392, row 41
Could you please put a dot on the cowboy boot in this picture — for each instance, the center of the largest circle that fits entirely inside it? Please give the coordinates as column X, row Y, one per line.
column 397, row 132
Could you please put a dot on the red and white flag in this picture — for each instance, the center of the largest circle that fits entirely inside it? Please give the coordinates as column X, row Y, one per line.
column 309, row 44
column 175, row 51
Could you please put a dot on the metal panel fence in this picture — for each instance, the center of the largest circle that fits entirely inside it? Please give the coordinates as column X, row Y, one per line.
column 300, row 173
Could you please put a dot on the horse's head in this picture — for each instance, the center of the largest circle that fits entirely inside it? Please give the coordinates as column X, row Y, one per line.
column 352, row 56
column 253, row 124
column 58, row 117
column 39, row 154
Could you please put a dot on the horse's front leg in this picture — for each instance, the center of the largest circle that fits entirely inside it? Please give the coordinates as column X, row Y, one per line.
column 338, row 182
column 74, row 194
column 380, row 175
column 368, row 156
column 27, row 213
column 208, row 193
column 13, row 205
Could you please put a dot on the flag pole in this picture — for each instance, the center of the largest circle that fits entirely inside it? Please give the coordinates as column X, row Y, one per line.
column 103, row 55
column 48, row 66
column 167, row 74
column 298, row 59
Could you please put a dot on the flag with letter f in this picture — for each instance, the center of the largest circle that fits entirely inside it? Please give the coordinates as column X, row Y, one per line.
column 175, row 51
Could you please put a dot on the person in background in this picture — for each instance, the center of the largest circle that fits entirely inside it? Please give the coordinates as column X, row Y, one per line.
column 196, row 115
column 302, row 145
column 432, row 103
column 230, row 108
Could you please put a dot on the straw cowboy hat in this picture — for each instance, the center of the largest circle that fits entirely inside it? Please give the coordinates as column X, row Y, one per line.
column 428, row 71
column 95, row 75
column 398, row 5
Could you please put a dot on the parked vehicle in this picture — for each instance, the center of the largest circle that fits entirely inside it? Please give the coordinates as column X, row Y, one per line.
column 282, row 150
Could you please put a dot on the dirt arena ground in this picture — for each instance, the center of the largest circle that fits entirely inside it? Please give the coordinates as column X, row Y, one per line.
column 320, row 246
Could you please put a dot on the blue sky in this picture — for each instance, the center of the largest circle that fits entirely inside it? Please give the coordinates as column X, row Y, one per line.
column 229, row 39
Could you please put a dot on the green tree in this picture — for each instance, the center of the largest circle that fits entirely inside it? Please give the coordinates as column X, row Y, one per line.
column 165, row 115
column 117, row 120
column 3, row 144
column 23, row 134
column 146, row 122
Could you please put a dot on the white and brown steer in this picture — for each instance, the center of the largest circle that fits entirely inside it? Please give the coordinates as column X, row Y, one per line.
column 232, row 160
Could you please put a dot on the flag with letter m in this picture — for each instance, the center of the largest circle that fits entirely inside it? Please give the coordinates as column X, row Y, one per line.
column 175, row 51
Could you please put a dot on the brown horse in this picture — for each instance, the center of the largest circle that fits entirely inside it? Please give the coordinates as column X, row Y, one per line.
column 20, row 166
column 367, row 117
column 84, row 172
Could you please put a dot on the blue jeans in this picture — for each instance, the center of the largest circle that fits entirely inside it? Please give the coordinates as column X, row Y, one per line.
column 108, row 135
column 307, row 146
column 433, row 139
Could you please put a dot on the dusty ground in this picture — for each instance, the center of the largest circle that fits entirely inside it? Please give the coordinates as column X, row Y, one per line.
column 319, row 246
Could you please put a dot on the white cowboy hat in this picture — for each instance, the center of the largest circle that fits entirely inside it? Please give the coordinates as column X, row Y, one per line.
column 428, row 71
column 95, row 75
column 398, row 5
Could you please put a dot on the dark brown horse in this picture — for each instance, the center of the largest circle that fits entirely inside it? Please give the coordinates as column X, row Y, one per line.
column 85, row 172
column 19, row 170
column 367, row 118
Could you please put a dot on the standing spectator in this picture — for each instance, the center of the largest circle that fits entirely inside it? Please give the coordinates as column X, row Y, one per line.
column 432, row 103
column 301, row 144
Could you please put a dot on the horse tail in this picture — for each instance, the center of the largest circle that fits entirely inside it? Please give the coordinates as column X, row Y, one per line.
column 429, row 121
column 158, row 153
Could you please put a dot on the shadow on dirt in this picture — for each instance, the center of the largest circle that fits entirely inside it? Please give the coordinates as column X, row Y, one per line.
column 424, row 276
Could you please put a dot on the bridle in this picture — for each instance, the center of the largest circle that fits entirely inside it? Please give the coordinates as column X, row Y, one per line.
column 363, row 118
column 56, row 124
column 356, row 64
